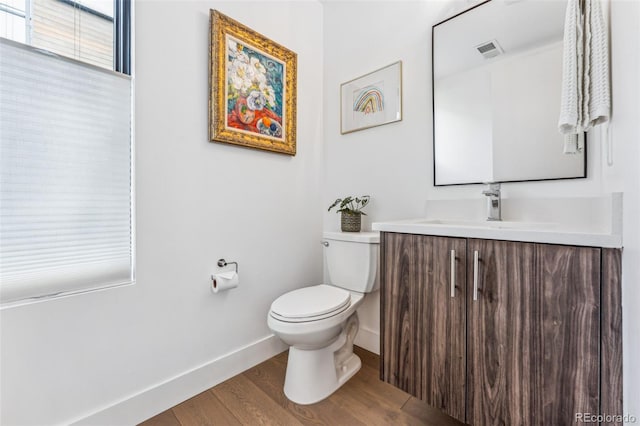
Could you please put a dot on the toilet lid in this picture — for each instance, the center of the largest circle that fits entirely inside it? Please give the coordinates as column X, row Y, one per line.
column 311, row 302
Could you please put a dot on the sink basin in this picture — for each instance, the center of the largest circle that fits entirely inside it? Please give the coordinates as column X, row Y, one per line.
column 499, row 224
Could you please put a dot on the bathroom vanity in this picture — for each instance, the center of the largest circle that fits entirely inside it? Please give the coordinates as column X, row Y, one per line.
column 492, row 331
column 497, row 322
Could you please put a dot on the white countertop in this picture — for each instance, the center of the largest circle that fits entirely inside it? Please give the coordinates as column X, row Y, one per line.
column 551, row 233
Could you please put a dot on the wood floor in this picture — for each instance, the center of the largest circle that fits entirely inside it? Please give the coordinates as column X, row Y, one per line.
column 256, row 397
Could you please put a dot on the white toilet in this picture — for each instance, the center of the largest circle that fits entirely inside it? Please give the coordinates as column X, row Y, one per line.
column 320, row 322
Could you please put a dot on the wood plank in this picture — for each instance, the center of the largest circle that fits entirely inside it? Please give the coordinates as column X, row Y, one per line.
column 428, row 415
column 393, row 396
column 282, row 356
column 569, row 280
column 368, row 358
column 166, row 418
column 256, row 397
column 501, row 361
column 250, row 405
column 611, row 335
column 377, row 402
column 203, row 410
column 369, row 407
column 269, row 377
column 372, row 388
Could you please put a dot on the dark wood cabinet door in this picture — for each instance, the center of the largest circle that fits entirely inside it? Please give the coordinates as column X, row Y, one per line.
column 442, row 278
column 532, row 333
column 569, row 280
column 398, row 296
column 501, row 363
column 423, row 318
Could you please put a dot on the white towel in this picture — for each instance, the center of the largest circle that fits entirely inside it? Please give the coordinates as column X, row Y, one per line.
column 571, row 103
column 585, row 98
column 599, row 83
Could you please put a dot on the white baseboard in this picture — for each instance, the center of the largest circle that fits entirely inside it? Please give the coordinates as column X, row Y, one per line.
column 368, row 339
column 155, row 399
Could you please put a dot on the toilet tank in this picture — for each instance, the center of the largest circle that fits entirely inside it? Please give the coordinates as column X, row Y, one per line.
column 352, row 260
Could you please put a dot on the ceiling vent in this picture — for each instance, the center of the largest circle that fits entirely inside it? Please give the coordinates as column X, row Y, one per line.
column 490, row 49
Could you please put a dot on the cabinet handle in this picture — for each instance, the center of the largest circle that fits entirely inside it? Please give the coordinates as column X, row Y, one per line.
column 475, row 275
column 453, row 273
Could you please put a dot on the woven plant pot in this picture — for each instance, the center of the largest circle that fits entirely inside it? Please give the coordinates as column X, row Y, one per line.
column 350, row 222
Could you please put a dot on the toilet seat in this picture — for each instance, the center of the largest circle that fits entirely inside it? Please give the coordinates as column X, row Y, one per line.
column 310, row 303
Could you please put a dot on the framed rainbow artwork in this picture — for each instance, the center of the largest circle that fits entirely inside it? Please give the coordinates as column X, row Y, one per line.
column 371, row 100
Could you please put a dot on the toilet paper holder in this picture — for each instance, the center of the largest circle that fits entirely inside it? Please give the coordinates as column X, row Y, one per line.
column 222, row 263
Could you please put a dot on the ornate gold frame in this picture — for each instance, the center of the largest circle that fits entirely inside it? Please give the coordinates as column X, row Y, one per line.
column 221, row 26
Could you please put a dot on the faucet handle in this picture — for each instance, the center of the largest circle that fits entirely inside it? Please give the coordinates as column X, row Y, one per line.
column 494, row 208
column 494, row 189
column 493, row 185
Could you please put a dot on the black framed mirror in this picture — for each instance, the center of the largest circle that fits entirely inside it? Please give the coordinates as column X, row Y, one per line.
column 496, row 79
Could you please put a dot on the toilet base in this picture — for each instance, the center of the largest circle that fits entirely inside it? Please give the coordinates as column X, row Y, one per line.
column 313, row 375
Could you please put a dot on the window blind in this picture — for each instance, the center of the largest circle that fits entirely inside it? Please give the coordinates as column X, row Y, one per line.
column 65, row 175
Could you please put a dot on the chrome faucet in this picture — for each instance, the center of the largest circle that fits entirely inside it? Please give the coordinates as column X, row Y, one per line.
column 494, row 211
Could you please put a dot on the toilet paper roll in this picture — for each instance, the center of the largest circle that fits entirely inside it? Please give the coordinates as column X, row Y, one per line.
column 224, row 281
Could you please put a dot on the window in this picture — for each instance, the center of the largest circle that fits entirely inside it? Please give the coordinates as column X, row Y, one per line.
column 65, row 151
column 13, row 20
column 82, row 29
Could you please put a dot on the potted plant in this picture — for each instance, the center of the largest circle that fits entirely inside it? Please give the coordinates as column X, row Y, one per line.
column 351, row 209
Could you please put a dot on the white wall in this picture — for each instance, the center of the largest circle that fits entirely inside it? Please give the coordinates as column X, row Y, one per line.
column 625, row 176
column 196, row 202
column 393, row 163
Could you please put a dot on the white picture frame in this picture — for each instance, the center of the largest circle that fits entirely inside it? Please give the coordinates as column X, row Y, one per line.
column 371, row 100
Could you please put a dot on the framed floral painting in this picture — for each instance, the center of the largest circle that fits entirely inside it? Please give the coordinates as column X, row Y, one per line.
column 252, row 99
column 371, row 100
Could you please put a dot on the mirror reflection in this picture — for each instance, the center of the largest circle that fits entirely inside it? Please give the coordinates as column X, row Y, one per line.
column 497, row 71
